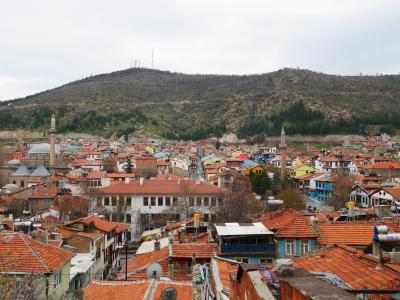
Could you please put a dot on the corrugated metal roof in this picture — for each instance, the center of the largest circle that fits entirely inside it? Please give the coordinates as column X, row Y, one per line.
column 233, row 229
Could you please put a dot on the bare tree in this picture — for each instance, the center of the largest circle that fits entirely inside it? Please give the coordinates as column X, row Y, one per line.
column 291, row 198
column 239, row 202
column 22, row 287
column 182, row 206
column 342, row 188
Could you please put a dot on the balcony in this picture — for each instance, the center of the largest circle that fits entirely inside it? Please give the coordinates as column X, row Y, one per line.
column 247, row 248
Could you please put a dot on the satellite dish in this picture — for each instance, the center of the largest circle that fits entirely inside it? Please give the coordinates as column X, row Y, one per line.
column 154, row 271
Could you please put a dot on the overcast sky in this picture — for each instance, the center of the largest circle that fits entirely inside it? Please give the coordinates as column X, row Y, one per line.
column 44, row 44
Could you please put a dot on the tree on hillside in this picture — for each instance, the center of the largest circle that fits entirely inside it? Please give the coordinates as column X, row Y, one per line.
column 240, row 202
column 291, row 198
column 342, row 188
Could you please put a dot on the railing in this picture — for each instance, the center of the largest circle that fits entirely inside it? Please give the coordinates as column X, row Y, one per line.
column 248, row 248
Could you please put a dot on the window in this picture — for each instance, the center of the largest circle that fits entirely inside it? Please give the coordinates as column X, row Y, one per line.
column 128, row 235
column 175, row 201
column 106, row 201
column 243, row 260
column 268, row 261
column 304, row 246
column 128, row 218
column 145, row 201
column 22, row 183
column 213, row 201
column 128, row 201
column 57, row 279
column 206, row 218
column 290, row 247
column 191, row 201
column 206, row 201
column 114, row 201
column 160, row 201
column 220, row 201
column 198, row 201
column 167, row 201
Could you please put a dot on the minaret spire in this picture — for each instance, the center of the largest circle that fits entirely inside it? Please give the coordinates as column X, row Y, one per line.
column 283, row 148
column 52, row 132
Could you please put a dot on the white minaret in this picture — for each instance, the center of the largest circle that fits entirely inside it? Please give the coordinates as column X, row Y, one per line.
column 53, row 132
column 283, row 148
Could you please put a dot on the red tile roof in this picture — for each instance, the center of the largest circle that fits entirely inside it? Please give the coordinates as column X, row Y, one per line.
column 26, row 255
column 162, row 187
column 99, row 223
column 142, row 261
column 43, row 192
column 96, row 175
column 225, row 269
column 184, row 290
column 128, row 290
column 298, row 228
column 384, row 165
column 353, row 266
column 200, row 250
column 350, row 233
column 279, row 219
column 116, row 290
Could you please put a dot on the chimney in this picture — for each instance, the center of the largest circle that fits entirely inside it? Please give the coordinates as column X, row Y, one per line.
column 46, row 237
column 141, row 180
column 157, row 246
column 179, row 180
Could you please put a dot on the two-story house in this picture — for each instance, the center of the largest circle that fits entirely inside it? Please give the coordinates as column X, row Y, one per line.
column 107, row 248
column 145, row 201
column 29, row 264
column 249, row 243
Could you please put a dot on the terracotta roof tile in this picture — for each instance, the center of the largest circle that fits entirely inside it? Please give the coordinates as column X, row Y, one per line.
column 184, row 290
column 27, row 255
column 350, row 233
column 200, row 250
column 298, row 228
column 355, row 268
column 116, row 290
column 279, row 219
column 140, row 262
column 225, row 269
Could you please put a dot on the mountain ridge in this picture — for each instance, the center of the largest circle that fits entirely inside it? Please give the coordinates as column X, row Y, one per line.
column 178, row 105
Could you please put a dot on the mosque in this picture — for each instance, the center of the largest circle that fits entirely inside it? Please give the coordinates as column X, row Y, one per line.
column 40, row 162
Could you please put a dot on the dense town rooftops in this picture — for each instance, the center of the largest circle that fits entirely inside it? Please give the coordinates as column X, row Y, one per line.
column 24, row 255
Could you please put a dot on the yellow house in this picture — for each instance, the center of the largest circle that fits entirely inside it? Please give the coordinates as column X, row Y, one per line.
column 302, row 170
column 256, row 170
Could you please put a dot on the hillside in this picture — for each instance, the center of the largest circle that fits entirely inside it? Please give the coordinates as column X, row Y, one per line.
column 143, row 101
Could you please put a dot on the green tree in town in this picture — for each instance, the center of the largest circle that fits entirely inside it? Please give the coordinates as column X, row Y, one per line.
column 260, row 182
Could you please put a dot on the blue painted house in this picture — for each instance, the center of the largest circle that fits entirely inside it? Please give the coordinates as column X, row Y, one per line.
column 293, row 232
column 297, row 238
column 250, row 243
column 324, row 188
